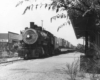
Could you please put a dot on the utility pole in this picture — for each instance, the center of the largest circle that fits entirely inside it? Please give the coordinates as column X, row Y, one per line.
column 42, row 24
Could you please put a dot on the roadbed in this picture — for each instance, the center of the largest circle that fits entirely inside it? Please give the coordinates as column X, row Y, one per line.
column 4, row 60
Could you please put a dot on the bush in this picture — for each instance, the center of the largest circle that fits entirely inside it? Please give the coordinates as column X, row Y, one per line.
column 75, row 73
column 73, row 70
column 80, row 48
column 91, row 62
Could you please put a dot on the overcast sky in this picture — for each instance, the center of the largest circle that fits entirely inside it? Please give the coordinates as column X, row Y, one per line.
column 11, row 19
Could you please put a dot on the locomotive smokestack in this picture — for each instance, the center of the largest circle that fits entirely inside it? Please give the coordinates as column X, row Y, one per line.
column 32, row 24
column 26, row 28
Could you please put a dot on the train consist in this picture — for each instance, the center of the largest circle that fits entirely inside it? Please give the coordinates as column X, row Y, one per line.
column 37, row 42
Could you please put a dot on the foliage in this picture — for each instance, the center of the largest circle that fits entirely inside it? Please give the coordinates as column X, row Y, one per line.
column 79, row 74
column 33, row 4
column 92, row 62
column 91, row 66
column 94, row 50
column 76, row 8
column 75, row 73
column 73, row 70
column 80, row 48
column 97, row 49
column 83, row 13
column 94, row 76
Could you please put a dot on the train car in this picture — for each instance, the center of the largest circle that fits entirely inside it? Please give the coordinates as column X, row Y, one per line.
column 57, row 45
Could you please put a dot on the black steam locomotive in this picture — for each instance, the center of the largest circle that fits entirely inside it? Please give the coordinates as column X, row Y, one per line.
column 37, row 42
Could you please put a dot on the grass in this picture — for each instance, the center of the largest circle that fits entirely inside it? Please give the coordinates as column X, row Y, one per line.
column 75, row 73
column 72, row 70
column 94, row 76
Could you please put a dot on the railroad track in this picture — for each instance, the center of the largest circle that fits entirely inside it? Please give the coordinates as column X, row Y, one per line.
column 3, row 63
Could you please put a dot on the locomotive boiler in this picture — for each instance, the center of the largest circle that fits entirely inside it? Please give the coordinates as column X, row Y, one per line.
column 36, row 42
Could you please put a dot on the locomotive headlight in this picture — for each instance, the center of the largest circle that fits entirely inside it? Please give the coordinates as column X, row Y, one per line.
column 28, row 36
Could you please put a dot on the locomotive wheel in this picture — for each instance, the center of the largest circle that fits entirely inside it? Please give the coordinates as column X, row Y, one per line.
column 25, row 56
column 51, row 51
column 46, row 52
column 57, row 51
column 35, row 53
column 41, row 52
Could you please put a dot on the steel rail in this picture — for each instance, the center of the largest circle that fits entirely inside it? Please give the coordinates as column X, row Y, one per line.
column 11, row 61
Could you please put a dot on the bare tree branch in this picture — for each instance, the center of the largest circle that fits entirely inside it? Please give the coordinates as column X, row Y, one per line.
column 19, row 3
column 86, row 12
column 61, row 26
column 78, row 9
column 27, row 8
column 59, row 16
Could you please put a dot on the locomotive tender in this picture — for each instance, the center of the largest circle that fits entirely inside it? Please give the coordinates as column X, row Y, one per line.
column 37, row 42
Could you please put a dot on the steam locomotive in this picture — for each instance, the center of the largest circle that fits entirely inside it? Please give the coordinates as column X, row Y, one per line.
column 37, row 42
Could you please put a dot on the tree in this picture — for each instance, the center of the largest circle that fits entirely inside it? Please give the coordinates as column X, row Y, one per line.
column 81, row 11
column 45, row 5
column 32, row 4
column 76, row 8
column 84, row 15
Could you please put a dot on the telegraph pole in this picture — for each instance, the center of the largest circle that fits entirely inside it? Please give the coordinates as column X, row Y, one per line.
column 42, row 24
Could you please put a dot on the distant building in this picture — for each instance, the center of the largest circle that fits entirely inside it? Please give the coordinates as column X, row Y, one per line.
column 13, row 37
column 7, row 40
column 3, row 41
column 3, row 37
